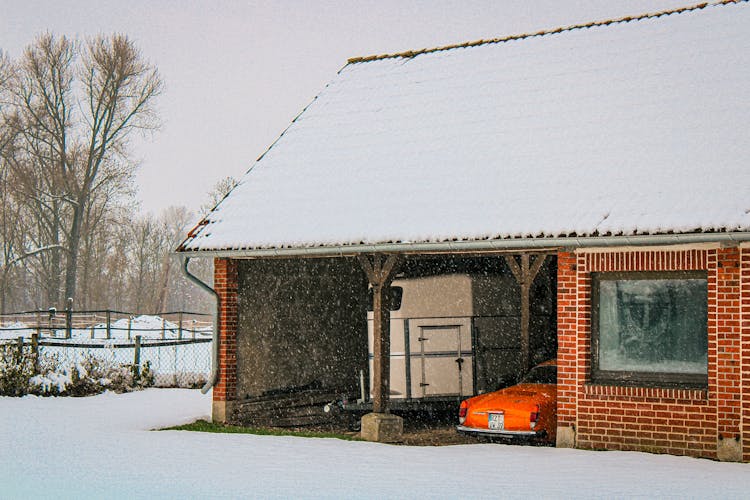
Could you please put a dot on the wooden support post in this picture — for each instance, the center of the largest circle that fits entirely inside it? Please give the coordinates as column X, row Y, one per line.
column 525, row 274
column 163, row 328
column 137, row 358
column 179, row 326
column 381, row 348
column 69, row 319
column 35, row 351
column 50, row 323
column 380, row 271
column 109, row 322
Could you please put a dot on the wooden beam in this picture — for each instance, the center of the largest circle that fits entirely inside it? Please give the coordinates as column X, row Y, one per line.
column 535, row 267
column 525, row 274
column 514, row 268
column 380, row 274
column 368, row 268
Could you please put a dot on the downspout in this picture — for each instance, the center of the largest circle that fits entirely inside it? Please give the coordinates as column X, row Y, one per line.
column 212, row 379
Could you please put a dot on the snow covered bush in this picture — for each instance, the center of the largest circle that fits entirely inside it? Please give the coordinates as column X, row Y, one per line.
column 144, row 377
column 91, row 376
column 16, row 368
column 53, row 377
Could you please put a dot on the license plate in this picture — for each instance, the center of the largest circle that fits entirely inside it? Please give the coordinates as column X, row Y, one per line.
column 496, row 421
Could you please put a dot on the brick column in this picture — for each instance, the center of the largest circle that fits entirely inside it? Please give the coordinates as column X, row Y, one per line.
column 567, row 348
column 724, row 319
column 225, row 390
column 745, row 349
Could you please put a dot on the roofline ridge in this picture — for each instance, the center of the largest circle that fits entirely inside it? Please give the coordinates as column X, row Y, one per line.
column 625, row 19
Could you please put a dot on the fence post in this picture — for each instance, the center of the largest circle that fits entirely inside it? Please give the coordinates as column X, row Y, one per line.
column 69, row 319
column 93, row 334
column 20, row 349
column 109, row 330
column 193, row 330
column 163, row 328
column 174, row 376
column 50, row 324
column 130, row 322
column 179, row 332
column 137, row 357
column 35, row 351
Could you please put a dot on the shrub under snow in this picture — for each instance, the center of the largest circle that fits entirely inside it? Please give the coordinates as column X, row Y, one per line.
column 56, row 378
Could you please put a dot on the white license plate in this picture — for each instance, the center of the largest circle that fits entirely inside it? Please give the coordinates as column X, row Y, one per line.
column 496, row 421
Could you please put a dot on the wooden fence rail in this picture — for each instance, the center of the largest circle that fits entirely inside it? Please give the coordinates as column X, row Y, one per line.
column 106, row 320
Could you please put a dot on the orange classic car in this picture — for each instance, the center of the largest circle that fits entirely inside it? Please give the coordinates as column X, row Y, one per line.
column 526, row 411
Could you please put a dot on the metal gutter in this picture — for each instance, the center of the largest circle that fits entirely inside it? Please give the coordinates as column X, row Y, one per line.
column 508, row 244
column 215, row 336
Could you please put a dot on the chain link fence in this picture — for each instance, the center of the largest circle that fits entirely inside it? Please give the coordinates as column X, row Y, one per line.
column 173, row 363
column 173, row 347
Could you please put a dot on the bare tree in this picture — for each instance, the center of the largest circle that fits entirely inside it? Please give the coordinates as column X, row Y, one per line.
column 17, row 245
column 78, row 104
column 218, row 192
column 119, row 88
column 174, row 223
column 43, row 90
column 6, row 134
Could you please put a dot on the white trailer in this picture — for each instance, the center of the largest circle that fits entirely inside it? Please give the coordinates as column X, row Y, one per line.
column 452, row 335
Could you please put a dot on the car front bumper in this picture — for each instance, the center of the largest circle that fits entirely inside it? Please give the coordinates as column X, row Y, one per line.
column 500, row 433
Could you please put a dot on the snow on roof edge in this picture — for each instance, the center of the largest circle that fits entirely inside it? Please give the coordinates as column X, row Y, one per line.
column 626, row 19
column 696, row 236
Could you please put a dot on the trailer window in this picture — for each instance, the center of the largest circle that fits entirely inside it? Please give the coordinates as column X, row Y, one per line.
column 397, row 294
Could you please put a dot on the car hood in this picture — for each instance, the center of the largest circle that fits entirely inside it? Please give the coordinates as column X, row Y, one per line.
column 517, row 394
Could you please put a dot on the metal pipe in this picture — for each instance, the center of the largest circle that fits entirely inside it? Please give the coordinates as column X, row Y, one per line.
column 363, row 396
column 215, row 334
column 541, row 243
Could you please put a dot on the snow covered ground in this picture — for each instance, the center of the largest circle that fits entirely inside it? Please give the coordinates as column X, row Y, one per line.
column 102, row 447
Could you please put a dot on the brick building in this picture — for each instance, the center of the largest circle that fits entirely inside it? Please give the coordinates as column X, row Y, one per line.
column 693, row 409
column 615, row 152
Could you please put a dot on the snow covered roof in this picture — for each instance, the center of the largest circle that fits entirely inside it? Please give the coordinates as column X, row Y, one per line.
column 626, row 127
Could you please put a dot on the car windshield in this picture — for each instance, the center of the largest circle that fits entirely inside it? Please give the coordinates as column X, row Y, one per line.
column 546, row 374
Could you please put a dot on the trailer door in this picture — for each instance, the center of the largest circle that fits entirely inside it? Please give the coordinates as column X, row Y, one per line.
column 441, row 360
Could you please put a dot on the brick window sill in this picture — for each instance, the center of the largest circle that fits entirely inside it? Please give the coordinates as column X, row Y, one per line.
column 644, row 392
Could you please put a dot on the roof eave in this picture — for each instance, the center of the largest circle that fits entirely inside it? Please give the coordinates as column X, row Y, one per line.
column 496, row 245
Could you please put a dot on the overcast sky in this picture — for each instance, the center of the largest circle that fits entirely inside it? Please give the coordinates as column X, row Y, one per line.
column 237, row 73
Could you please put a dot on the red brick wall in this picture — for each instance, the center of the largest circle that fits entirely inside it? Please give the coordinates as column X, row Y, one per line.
column 677, row 421
column 567, row 339
column 745, row 352
column 225, row 284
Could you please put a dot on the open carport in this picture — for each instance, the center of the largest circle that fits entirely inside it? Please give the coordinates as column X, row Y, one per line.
column 459, row 325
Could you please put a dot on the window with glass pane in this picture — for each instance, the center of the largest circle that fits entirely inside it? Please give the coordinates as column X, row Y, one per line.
column 651, row 326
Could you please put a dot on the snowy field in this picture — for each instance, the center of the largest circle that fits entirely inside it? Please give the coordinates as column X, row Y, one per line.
column 102, row 447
